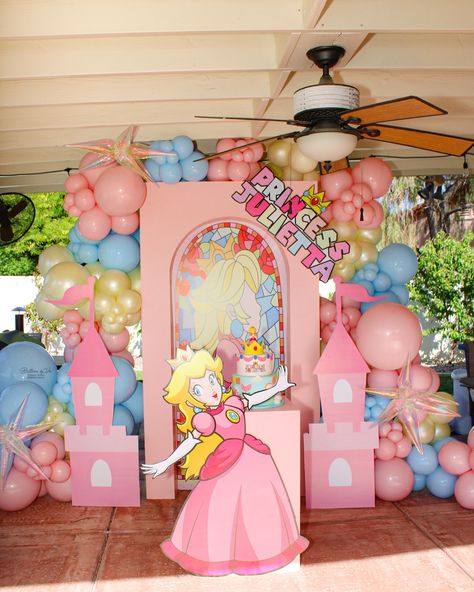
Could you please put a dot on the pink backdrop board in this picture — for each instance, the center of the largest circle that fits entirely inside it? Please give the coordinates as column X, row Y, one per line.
column 170, row 218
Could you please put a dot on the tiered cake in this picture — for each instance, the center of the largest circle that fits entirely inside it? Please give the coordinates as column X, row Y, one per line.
column 255, row 371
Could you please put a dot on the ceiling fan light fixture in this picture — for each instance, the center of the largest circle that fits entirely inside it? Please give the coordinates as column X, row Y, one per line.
column 327, row 145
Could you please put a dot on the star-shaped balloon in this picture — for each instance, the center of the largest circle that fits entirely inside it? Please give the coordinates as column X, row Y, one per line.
column 123, row 151
column 315, row 200
column 12, row 438
column 407, row 402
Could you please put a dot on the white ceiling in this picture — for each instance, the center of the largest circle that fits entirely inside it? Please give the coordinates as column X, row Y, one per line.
column 78, row 70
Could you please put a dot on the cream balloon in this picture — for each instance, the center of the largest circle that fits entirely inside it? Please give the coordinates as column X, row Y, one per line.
column 112, row 327
column 130, row 301
column 46, row 310
column 63, row 420
column 311, row 176
column 451, row 405
column 371, row 235
column 369, row 254
column 278, row 153
column 426, row 431
column 113, row 282
column 354, row 254
column 344, row 270
column 135, row 279
column 300, row 162
column 51, row 256
column 83, row 308
column 345, row 230
column 442, row 430
column 133, row 318
column 63, row 276
column 96, row 269
column 290, row 174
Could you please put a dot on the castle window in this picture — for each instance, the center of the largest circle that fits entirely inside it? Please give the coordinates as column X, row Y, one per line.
column 101, row 475
column 342, row 391
column 340, row 473
column 93, row 395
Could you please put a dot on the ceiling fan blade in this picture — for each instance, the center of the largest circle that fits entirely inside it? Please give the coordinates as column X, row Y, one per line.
column 393, row 110
column 279, row 137
column 288, row 121
column 452, row 145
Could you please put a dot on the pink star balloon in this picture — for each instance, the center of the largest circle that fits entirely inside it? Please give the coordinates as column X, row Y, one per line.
column 12, row 438
column 123, row 151
column 407, row 403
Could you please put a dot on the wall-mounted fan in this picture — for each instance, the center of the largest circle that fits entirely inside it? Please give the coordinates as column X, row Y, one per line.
column 17, row 214
column 333, row 122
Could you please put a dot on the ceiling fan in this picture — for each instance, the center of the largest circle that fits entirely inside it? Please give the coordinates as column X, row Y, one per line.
column 333, row 122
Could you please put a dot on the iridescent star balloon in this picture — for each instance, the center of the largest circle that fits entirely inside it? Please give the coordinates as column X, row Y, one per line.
column 123, row 151
column 12, row 438
column 407, row 402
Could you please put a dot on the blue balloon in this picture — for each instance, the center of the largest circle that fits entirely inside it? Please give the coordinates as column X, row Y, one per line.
column 194, row 171
column 136, row 235
column 62, row 390
column 153, row 168
column 119, row 252
column 390, row 297
column 165, row 145
column 122, row 416
column 376, row 411
column 367, row 285
column 13, row 396
column 135, row 403
column 171, row 173
column 370, row 401
column 183, row 145
column 440, row 443
column 87, row 254
column 382, row 282
column 399, row 262
column 172, row 159
column 370, row 275
column 425, row 463
column 419, row 482
column 27, row 361
column 367, row 414
column 441, row 483
column 371, row 267
column 125, row 382
column 402, row 293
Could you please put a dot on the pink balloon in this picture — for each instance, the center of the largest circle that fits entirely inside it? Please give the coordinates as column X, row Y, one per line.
column 237, row 156
column 73, row 316
column 43, row 452
column 395, row 436
column 363, row 190
column 75, row 183
column 68, row 200
column 62, row 492
column 386, row 449
column 92, row 175
column 255, row 167
column 416, row 359
column 346, row 196
column 20, row 464
column 387, row 334
column 393, row 479
column 327, row 311
column 327, row 215
column 19, row 491
column 69, row 354
column 326, row 333
column 120, row 192
column 36, row 475
column 454, row 457
column 72, row 341
column 470, row 438
column 126, row 355
column 384, row 429
column 396, row 427
column 74, row 212
column 72, row 327
column 60, row 471
column 125, row 224
column 464, row 490
column 420, row 377
column 84, row 200
column 348, row 302
column 338, row 211
column 115, row 342
column 349, row 208
column 378, row 215
column 217, row 170
column 335, row 183
column 471, row 459
column 43, row 491
column 404, row 447
column 225, row 144
column 378, row 378
column 363, row 217
column 357, row 201
column 238, row 171
column 94, row 224
column 55, row 439
column 84, row 327
column 435, row 381
column 375, row 173
column 353, row 315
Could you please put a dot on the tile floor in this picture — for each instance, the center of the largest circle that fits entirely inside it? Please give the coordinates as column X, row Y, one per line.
column 419, row 544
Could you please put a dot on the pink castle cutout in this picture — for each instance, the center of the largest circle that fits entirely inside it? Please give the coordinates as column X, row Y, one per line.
column 339, row 453
column 104, row 460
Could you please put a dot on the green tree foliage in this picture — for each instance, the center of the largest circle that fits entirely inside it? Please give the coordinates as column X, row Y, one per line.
column 443, row 288
column 51, row 227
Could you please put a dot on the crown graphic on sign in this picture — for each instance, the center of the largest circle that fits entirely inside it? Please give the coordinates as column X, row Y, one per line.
column 183, row 354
